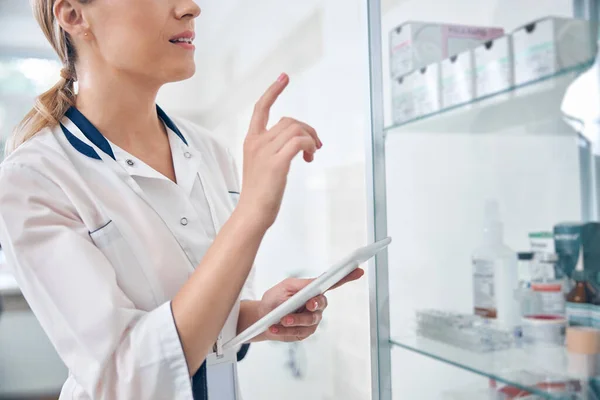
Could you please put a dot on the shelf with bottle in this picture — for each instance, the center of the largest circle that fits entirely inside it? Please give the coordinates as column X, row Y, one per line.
column 549, row 372
column 533, row 328
column 487, row 80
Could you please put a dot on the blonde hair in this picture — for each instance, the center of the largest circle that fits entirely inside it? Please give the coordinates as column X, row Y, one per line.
column 50, row 106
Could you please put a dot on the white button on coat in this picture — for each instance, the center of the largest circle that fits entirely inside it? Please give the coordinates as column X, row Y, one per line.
column 99, row 250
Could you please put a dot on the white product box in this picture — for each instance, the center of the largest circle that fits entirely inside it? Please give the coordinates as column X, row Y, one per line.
column 426, row 89
column 549, row 45
column 457, row 80
column 493, row 66
column 416, row 44
column 403, row 106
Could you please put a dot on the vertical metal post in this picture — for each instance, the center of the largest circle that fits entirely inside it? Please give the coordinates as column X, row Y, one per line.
column 587, row 176
column 589, row 163
column 376, row 181
column 587, row 9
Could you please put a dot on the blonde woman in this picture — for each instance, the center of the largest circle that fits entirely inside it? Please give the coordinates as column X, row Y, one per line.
column 128, row 231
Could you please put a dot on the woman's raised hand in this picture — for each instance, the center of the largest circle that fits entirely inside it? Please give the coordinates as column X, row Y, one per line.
column 268, row 154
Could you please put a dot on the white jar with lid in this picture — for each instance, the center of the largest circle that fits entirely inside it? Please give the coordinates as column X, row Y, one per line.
column 547, row 298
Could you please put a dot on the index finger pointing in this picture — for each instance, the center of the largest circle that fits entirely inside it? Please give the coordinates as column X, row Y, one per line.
column 260, row 117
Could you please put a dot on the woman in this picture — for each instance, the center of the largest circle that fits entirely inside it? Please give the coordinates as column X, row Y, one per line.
column 120, row 223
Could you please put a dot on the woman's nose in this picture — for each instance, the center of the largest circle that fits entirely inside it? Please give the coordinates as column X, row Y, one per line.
column 188, row 8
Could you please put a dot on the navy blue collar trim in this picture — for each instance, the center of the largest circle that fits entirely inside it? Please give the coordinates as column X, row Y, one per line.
column 80, row 146
column 89, row 131
column 170, row 124
column 94, row 135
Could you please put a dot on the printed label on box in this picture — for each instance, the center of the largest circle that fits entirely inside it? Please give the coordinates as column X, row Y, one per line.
column 402, row 58
column 493, row 67
column 401, row 51
column 425, row 89
column 403, row 107
column 457, row 81
column 534, row 52
column 494, row 77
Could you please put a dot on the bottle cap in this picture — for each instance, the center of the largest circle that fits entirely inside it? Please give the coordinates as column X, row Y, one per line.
column 492, row 223
column 555, row 286
column 525, row 256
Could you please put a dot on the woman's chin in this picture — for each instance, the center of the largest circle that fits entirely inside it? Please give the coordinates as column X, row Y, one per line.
column 182, row 73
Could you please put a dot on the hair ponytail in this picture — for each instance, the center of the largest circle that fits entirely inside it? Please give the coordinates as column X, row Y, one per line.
column 51, row 106
column 48, row 110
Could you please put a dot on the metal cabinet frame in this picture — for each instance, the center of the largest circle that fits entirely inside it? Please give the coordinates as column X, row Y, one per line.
column 381, row 380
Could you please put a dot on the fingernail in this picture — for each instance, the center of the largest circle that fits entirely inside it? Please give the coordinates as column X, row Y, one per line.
column 282, row 77
column 289, row 320
column 274, row 329
column 316, row 304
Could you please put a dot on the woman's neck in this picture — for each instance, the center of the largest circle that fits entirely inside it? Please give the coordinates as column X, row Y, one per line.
column 121, row 107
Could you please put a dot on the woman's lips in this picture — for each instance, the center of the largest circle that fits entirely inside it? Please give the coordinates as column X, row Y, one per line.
column 186, row 44
column 184, row 40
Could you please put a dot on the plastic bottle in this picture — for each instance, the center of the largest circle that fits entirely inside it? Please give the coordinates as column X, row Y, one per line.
column 495, row 273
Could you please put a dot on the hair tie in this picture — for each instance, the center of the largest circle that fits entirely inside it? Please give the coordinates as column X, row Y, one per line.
column 66, row 74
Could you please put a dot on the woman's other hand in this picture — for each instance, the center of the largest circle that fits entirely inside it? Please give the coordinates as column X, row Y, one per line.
column 268, row 154
column 304, row 322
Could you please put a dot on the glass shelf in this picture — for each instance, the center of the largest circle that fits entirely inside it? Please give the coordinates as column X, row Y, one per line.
column 533, row 101
column 539, row 371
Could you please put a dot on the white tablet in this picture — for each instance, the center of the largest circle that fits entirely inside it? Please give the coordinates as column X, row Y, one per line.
column 319, row 286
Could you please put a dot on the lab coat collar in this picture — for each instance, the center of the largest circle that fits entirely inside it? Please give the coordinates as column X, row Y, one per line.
column 94, row 135
column 185, row 162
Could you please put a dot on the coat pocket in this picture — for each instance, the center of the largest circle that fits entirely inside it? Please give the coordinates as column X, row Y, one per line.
column 235, row 198
column 130, row 276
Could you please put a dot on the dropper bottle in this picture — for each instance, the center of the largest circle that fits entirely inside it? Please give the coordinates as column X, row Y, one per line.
column 579, row 294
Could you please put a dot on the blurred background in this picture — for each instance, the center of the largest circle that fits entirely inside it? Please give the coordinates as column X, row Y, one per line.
column 241, row 48
column 434, row 182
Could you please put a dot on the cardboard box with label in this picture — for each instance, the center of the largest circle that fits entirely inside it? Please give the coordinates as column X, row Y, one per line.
column 457, row 80
column 416, row 44
column 426, row 90
column 493, row 66
column 550, row 45
column 403, row 106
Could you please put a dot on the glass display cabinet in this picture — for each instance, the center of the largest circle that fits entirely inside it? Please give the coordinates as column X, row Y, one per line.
column 484, row 171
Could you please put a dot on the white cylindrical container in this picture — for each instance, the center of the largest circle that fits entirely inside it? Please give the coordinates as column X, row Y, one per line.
column 548, row 298
column 544, row 329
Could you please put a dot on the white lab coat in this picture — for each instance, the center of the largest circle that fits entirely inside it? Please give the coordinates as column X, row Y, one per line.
column 99, row 259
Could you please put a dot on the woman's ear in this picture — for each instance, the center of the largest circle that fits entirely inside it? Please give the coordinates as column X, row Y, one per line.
column 69, row 14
